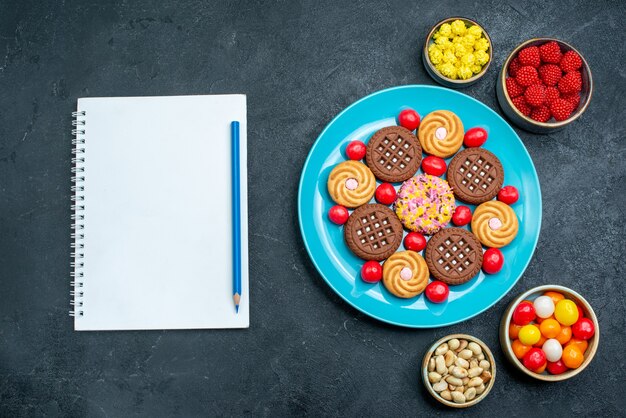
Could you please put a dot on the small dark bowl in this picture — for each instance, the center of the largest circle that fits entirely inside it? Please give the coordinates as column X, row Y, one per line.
column 440, row 78
column 526, row 122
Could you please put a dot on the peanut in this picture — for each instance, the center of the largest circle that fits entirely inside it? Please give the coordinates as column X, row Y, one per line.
column 440, row 365
column 449, row 357
column 453, row 344
column 466, row 354
column 458, row 397
column 440, row 386
column 442, row 349
column 434, row 377
column 475, row 348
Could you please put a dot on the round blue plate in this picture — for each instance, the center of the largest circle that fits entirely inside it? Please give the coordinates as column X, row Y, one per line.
column 341, row 269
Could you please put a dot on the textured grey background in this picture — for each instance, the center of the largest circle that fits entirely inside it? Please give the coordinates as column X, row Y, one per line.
column 300, row 64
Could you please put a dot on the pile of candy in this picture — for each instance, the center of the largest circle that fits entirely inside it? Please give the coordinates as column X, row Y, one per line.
column 459, row 51
column 550, row 333
column 544, row 83
column 459, row 371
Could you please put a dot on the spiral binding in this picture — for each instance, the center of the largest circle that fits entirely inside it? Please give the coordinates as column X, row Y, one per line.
column 78, row 177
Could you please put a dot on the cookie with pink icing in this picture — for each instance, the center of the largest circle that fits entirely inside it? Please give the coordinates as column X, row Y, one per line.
column 425, row 204
column 351, row 184
column 495, row 224
column 405, row 274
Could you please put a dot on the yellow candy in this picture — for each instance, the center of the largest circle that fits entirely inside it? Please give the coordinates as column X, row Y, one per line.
column 529, row 335
column 475, row 31
column 436, row 56
column 482, row 57
column 457, row 40
column 445, row 30
column 433, row 47
column 476, row 68
column 468, row 41
column 566, row 312
column 443, row 41
column 459, row 50
column 464, row 72
column 458, row 27
column 449, row 57
column 481, row 44
column 448, row 70
column 468, row 59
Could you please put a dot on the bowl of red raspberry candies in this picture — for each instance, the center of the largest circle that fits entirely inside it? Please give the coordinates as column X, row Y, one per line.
column 544, row 85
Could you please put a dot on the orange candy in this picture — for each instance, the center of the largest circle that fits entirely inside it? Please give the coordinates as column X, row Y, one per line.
column 514, row 330
column 572, row 356
column 565, row 335
column 550, row 328
column 581, row 344
column 520, row 349
column 555, row 296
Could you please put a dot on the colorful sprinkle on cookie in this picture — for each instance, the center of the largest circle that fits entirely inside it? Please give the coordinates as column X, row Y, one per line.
column 425, row 204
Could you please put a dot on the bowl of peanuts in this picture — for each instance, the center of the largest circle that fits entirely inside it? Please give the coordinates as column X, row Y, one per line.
column 459, row 370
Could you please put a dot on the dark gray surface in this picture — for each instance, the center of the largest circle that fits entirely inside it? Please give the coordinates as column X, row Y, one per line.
column 306, row 350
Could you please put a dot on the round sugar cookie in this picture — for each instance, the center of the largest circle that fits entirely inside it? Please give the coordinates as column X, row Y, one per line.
column 441, row 133
column 405, row 274
column 495, row 224
column 351, row 184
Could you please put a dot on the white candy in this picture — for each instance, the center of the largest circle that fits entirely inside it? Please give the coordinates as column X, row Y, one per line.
column 553, row 349
column 544, row 306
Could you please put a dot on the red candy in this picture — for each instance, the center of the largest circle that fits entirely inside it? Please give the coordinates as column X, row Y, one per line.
column 583, row 329
column 475, row 137
column 437, row 292
column 386, row 194
column 493, row 260
column 414, row 241
column 534, row 359
column 371, row 272
column 508, row 195
column 409, row 119
column 356, row 150
column 524, row 313
column 462, row 216
column 338, row 214
column 557, row 367
column 434, row 166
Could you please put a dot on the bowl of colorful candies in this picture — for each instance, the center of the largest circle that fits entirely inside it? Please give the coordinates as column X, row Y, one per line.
column 544, row 85
column 457, row 52
column 550, row 333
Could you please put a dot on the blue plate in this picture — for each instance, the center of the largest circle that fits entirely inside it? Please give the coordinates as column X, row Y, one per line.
column 341, row 269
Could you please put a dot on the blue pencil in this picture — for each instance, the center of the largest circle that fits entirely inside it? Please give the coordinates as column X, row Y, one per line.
column 234, row 134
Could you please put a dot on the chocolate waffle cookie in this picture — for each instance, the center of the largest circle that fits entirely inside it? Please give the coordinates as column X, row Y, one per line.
column 373, row 232
column 393, row 154
column 476, row 175
column 454, row 256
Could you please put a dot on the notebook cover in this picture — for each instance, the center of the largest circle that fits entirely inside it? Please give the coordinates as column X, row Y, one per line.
column 157, row 221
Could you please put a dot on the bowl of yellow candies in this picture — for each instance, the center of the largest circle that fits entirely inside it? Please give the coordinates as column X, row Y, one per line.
column 457, row 52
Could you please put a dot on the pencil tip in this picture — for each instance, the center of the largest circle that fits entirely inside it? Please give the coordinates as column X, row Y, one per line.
column 236, row 308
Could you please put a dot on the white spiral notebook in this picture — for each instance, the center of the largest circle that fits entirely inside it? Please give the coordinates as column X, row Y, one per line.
column 152, row 220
